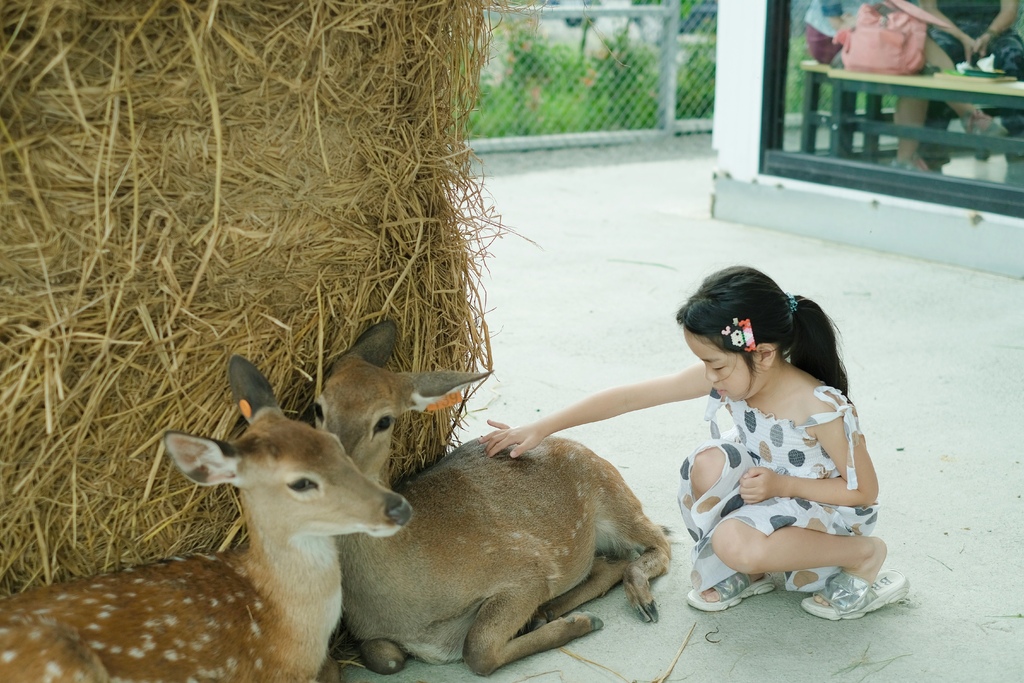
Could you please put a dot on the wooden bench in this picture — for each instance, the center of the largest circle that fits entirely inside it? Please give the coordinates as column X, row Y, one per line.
column 844, row 119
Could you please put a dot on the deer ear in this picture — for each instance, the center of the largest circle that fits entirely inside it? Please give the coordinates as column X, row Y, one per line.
column 437, row 390
column 251, row 389
column 376, row 344
column 204, row 461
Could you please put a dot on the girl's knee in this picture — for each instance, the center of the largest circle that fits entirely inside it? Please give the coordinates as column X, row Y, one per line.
column 739, row 546
column 705, row 470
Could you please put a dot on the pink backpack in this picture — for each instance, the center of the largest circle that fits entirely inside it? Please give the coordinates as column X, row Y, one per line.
column 888, row 38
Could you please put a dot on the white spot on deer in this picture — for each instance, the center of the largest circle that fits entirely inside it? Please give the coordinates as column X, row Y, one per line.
column 215, row 674
column 64, row 596
column 53, row 671
column 171, row 620
column 90, row 601
column 104, row 615
column 214, row 602
column 186, row 601
column 93, row 627
column 97, row 645
column 172, row 656
column 35, row 635
column 258, row 664
column 255, row 628
column 137, row 653
column 116, row 650
column 8, row 656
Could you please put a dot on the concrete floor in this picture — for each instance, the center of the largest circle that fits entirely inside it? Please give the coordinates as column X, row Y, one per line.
column 936, row 360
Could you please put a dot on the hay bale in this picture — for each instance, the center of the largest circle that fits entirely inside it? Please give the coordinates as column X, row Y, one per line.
column 183, row 181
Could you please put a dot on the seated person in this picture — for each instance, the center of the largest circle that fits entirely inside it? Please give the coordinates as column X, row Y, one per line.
column 822, row 21
column 980, row 28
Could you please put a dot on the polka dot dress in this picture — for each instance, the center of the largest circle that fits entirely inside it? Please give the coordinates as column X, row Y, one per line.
column 759, row 440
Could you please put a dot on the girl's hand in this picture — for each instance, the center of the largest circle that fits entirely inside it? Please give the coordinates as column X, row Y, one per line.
column 969, row 51
column 760, row 483
column 980, row 45
column 504, row 436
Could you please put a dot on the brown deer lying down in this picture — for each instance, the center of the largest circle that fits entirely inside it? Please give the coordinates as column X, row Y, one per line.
column 264, row 613
column 496, row 544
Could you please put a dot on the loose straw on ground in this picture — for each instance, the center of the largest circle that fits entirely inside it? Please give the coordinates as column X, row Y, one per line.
column 660, row 679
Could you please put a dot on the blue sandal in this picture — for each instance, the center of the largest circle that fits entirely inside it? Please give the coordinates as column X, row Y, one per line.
column 731, row 592
column 851, row 597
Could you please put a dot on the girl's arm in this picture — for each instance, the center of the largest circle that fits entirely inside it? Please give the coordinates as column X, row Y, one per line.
column 1005, row 20
column 681, row 386
column 932, row 7
column 760, row 483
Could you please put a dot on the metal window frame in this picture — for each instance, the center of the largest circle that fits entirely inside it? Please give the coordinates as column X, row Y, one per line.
column 934, row 188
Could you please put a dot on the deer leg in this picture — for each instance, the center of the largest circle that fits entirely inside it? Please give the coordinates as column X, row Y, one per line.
column 382, row 656
column 604, row 575
column 636, row 579
column 652, row 562
column 491, row 642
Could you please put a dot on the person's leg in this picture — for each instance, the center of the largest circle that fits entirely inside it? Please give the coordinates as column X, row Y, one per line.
column 974, row 120
column 708, row 493
column 910, row 111
column 747, row 550
column 820, row 46
column 1009, row 51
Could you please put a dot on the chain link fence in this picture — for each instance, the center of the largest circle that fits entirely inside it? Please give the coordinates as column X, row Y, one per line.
column 578, row 72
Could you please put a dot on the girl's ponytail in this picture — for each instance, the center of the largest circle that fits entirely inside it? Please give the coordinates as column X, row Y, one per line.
column 815, row 345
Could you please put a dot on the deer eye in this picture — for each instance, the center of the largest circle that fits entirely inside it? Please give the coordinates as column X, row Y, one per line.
column 318, row 412
column 383, row 423
column 302, row 485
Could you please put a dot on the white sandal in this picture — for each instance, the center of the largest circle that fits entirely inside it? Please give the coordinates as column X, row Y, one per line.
column 851, row 597
column 731, row 592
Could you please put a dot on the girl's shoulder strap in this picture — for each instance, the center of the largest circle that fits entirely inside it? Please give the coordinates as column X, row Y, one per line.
column 851, row 425
column 715, row 401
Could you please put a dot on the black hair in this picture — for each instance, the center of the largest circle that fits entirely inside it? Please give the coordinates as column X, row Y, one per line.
column 806, row 336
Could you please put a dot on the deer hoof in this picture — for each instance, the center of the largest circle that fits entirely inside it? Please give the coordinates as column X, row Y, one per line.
column 596, row 624
column 382, row 656
column 648, row 612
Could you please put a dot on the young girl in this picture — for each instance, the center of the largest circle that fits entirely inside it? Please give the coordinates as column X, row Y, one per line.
column 790, row 488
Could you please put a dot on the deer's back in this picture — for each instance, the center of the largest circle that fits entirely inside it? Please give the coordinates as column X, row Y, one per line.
column 480, row 525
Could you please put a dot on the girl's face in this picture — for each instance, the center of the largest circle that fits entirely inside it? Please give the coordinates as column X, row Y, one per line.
column 727, row 372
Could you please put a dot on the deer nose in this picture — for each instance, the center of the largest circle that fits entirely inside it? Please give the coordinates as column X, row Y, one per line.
column 398, row 509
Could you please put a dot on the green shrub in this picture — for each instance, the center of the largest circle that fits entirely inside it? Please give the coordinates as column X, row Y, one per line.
column 544, row 88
